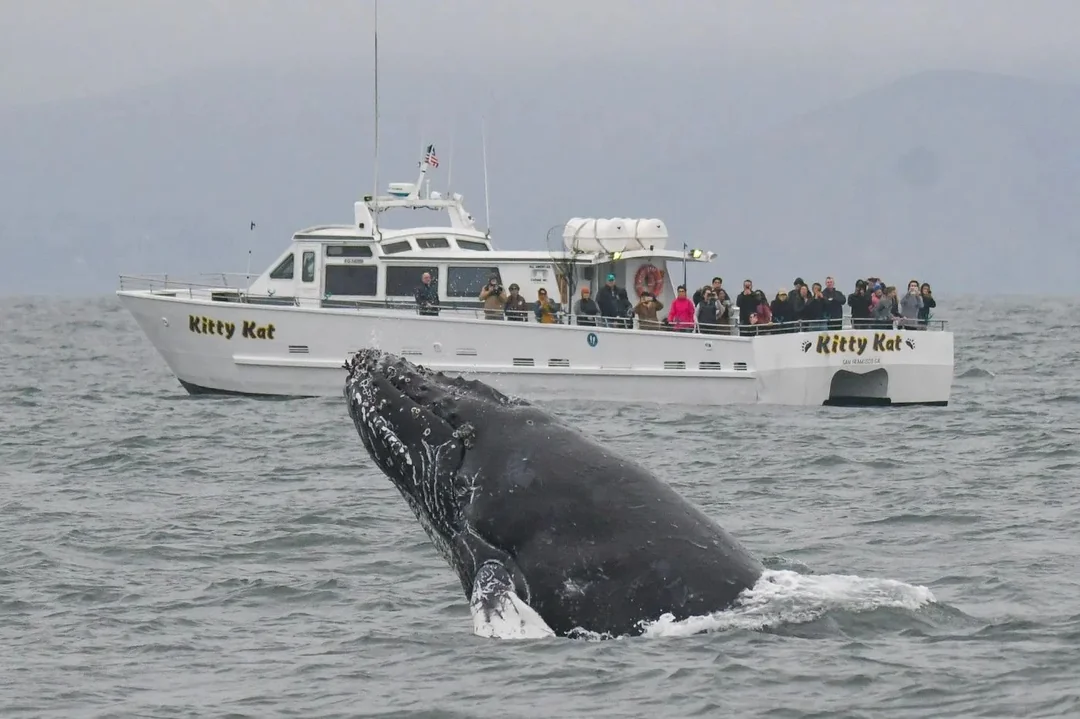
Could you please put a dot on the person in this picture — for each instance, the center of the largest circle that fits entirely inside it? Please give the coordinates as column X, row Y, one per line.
column 928, row 303
column 494, row 298
column 833, row 301
column 586, row 309
column 910, row 306
column 859, row 302
column 747, row 303
column 708, row 312
column 608, row 300
column 646, row 310
column 516, row 308
column 546, row 309
column 681, row 313
column 427, row 297
column 716, row 286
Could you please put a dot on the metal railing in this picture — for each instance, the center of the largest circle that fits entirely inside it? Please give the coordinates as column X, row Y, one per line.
column 473, row 309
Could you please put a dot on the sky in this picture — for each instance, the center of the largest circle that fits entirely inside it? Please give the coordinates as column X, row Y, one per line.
column 127, row 112
column 56, row 49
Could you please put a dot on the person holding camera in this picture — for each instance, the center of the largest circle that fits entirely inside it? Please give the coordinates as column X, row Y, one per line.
column 494, row 298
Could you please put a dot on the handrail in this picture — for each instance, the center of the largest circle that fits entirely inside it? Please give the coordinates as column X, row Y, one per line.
column 163, row 283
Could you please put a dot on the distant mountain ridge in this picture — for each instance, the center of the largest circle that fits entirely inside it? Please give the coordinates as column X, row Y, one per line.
column 966, row 179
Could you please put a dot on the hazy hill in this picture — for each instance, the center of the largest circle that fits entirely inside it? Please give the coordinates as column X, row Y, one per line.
column 962, row 178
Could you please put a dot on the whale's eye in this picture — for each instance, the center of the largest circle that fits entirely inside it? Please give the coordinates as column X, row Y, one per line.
column 529, row 422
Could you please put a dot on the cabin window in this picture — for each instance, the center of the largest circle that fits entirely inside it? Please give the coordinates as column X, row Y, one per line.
column 395, row 247
column 403, row 281
column 284, row 271
column 307, row 267
column 467, row 281
column 352, row 280
column 472, row 245
column 433, row 243
column 348, row 251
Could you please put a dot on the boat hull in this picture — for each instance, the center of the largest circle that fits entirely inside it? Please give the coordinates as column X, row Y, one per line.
column 216, row 347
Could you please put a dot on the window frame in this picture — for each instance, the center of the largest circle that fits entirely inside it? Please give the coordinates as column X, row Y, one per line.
column 423, row 243
column 278, row 272
column 418, row 269
column 392, row 248
column 453, row 292
column 354, row 270
column 307, row 271
column 364, row 251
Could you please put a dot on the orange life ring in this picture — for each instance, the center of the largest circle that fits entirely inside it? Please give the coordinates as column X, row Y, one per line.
column 649, row 279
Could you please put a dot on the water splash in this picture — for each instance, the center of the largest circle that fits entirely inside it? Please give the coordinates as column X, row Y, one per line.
column 787, row 597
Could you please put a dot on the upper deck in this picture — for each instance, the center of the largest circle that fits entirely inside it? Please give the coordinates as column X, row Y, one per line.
column 363, row 263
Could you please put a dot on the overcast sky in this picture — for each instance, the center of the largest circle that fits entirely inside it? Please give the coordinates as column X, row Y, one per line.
column 52, row 49
column 728, row 119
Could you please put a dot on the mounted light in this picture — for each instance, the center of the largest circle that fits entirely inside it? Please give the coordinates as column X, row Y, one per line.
column 616, row 256
column 696, row 254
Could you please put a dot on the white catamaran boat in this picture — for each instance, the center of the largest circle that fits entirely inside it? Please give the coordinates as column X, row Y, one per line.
column 337, row 288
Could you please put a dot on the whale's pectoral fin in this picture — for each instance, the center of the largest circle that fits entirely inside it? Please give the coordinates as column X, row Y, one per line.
column 497, row 610
column 499, row 594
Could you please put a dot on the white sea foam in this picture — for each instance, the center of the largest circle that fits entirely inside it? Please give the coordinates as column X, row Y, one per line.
column 779, row 597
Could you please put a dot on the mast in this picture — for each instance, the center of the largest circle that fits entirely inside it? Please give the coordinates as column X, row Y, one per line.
column 487, row 202
column 375, row 192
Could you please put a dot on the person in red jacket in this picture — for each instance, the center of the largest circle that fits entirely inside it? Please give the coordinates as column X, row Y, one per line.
column 681, row 315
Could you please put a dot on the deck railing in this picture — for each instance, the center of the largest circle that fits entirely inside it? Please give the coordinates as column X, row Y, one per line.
column 471, row 309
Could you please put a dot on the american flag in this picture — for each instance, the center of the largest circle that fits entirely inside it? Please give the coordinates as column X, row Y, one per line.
column 430, row 158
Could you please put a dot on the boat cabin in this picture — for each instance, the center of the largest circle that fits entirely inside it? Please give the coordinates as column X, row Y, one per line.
column 362, row 265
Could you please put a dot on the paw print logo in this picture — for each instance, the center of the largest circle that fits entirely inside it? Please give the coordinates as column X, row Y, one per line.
column 910, row 342
column 806, row 345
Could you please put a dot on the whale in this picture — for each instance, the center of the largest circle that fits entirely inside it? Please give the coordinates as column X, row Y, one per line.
column 550, row 532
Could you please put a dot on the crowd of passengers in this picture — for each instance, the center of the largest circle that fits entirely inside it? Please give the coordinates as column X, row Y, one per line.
column 873, row 305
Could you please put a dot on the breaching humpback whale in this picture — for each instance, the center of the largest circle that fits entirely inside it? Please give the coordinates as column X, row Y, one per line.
column 534, row 516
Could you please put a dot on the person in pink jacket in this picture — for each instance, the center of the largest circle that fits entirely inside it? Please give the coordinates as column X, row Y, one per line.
column 681, row 314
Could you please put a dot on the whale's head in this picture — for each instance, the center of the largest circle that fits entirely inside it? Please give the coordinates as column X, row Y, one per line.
column 418, row 426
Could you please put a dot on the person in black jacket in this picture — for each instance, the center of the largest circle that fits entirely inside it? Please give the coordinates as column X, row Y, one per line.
column 859, row 302
column 833, row 301
column 928, row 303
column 427, row 297
column 747, row 303
column 607, row 298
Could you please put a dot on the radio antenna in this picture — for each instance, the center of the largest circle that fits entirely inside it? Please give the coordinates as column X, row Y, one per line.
column 487, row 200
column 375, row 191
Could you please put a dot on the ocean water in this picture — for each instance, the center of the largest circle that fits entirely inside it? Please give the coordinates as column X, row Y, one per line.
column 170, row 556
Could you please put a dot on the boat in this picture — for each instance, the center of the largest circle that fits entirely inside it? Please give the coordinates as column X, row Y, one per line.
column 337, row 288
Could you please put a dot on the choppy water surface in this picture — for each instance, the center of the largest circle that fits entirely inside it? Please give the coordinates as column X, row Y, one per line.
column 169, row 556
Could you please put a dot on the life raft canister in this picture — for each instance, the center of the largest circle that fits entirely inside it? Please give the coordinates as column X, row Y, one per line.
column 649, row 278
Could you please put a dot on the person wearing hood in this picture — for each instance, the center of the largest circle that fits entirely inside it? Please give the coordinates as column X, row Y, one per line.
column 585, row 309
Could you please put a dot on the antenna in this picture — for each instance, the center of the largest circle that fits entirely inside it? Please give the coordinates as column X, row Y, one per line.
column 450, row 162
column 250, row 241
column 487, row 200
column 375, row 193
